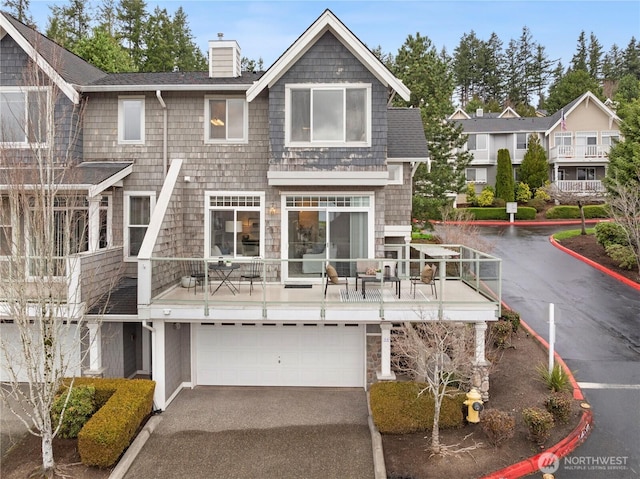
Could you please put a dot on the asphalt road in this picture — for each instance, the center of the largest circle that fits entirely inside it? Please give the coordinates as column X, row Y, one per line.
column 597, row 334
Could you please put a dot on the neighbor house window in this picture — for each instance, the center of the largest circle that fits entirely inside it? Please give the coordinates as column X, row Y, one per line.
column 23, row 116
column 131, row 120
column 610, row 138
column 522, row 141
column 138, row 209
column 476, row 175
column 5, row 227
column 328, row 114
column 586, row 173
column 234, row 224
column 477, row 142
column 225, row 120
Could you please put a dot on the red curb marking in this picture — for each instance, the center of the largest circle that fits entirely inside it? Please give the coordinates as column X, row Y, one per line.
column 564, row 446
column 598, row 266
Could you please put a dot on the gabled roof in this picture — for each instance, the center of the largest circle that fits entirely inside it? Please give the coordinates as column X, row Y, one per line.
column 63, row 67
column 508, row 112
column 405, row 134
column 554, row 120
column 328, row 22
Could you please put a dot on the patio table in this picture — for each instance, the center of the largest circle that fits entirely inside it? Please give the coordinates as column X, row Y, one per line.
column 222, row 272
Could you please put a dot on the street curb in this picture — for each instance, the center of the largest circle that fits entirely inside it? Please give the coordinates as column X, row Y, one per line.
column 132, row 452
column 560, row 449
column 523, row 222
column 599, row 267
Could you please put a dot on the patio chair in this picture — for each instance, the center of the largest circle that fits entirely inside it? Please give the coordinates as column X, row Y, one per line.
column 254, row 273
column 332, row 277
column 196, row 271
column 427, row 276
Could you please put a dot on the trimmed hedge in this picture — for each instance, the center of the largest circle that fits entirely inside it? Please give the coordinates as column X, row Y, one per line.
column 396, row 408
column 125, row 404
column 524, row 213
column 573, row 212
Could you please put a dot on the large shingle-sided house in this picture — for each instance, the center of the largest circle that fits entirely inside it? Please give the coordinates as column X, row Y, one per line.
column 190, row 180
column 577, row 140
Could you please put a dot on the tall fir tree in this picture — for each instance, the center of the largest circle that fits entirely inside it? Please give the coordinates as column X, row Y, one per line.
column 534, row 169
column 505, row 184
column 570, row 87
column 69, row 23
column 579, row 60
column 20, row 10
column 188, row 57
column 594, row 64
column 632, row 58
column 159, row 40
column 132, row 17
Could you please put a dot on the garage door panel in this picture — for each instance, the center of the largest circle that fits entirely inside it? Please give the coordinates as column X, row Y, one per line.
column 279, row 355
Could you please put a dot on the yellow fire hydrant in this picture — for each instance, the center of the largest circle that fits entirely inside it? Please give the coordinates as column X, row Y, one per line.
column 474, row 405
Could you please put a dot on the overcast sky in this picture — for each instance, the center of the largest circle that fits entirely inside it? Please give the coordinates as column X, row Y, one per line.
column 266, row 28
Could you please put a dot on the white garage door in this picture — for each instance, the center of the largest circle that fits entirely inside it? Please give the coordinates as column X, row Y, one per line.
column 280, row 355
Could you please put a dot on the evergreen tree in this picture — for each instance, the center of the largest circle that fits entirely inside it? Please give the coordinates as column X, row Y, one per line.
column 490, row 63
column 627, row 90
column 465, row 66
column 570, row 87
column 526, row 55
column 188, row 57
column 595, row 57
column 69, row 24
column 107, row 17
column 429, row 77
column 632, row 58
column 579, row 60
column 624, row 157
column 102, row 50
column 20, row 10
column 514, row 74
column 159, row 39
column 132, row 17
column 534, row 169
column 505, row 185
column 612, row 64
column 541, row 72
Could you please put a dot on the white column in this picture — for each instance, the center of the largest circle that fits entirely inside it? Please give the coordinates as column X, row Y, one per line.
column 385, row 354
column 481, row 328
column 94, row 223
column 157, row 364
column 95, row 350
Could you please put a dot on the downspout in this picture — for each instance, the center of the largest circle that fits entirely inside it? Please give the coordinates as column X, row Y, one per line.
column 165, row 166
column 147, row 327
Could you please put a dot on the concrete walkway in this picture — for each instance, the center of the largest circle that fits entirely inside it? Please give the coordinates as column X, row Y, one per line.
column 262, row 433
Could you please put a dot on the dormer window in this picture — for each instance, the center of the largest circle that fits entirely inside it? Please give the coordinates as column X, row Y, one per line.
column 328, row 115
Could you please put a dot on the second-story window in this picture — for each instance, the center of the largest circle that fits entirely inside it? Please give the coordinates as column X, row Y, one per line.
column 226, row 120
column 138, row 208
column 477, row 142
column 522, row 141
column 6, row 234
column 131, row 120
column 23, row 117
column 328, row 115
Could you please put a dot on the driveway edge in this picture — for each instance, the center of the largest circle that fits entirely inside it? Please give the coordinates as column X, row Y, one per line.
column 134, row 449
column 379, row 467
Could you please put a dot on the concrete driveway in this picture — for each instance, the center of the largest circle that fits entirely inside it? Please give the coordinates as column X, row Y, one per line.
column 260, row 432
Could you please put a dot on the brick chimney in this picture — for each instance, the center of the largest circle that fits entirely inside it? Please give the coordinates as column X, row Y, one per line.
column 224, row 58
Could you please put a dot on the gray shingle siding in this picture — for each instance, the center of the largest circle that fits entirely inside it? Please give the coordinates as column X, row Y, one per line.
column 328, row 61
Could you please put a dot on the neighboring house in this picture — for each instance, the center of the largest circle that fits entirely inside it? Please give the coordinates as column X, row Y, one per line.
column 577, row 140
column 302, row 164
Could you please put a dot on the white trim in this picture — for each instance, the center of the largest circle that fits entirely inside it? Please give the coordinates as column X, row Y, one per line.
column 588, row 96
column 153, row 87
column 328, row 178
column 327, row 22
column 94, row 190
column 396, row 173
column 121, row 100
column 48, row 69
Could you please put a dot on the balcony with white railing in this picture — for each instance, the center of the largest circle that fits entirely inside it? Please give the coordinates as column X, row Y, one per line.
column 468, row 288
column 586, row 187
column 583, row 153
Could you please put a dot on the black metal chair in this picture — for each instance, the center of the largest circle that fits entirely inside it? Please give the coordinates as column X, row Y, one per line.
column 254, row 273
column 197, row 273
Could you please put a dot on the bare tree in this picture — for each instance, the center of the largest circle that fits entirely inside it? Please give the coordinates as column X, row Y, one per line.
column 44, row 225
column 440, row 353
column 458, row 227
column 624, row 204
column 580, row 199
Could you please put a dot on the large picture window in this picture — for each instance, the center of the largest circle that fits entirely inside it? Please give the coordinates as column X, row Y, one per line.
column 23, row 117
column 234, row 224
column 226, row 120
column 328, row 114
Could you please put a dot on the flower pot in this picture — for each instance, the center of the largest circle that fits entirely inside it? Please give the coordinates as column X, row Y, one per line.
column 188, row 282
column 378, row 274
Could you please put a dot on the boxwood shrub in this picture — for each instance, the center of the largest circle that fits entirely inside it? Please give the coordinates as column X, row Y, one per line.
column 573, row 212
column 397, row 408
column 125, row 405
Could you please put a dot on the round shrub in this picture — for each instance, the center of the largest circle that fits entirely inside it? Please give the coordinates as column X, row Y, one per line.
column 559, row 405
column 486, row 197
column 595, row 211
column 610, row 233
column 523, row 192
column 539, row 423
column 563, row 212
column 541, row 194
column 624, row 256
column 80, row 407
column 512, row 317
column 472, row 199
column 537, row 203
column 501, row 333
column 497, row 425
